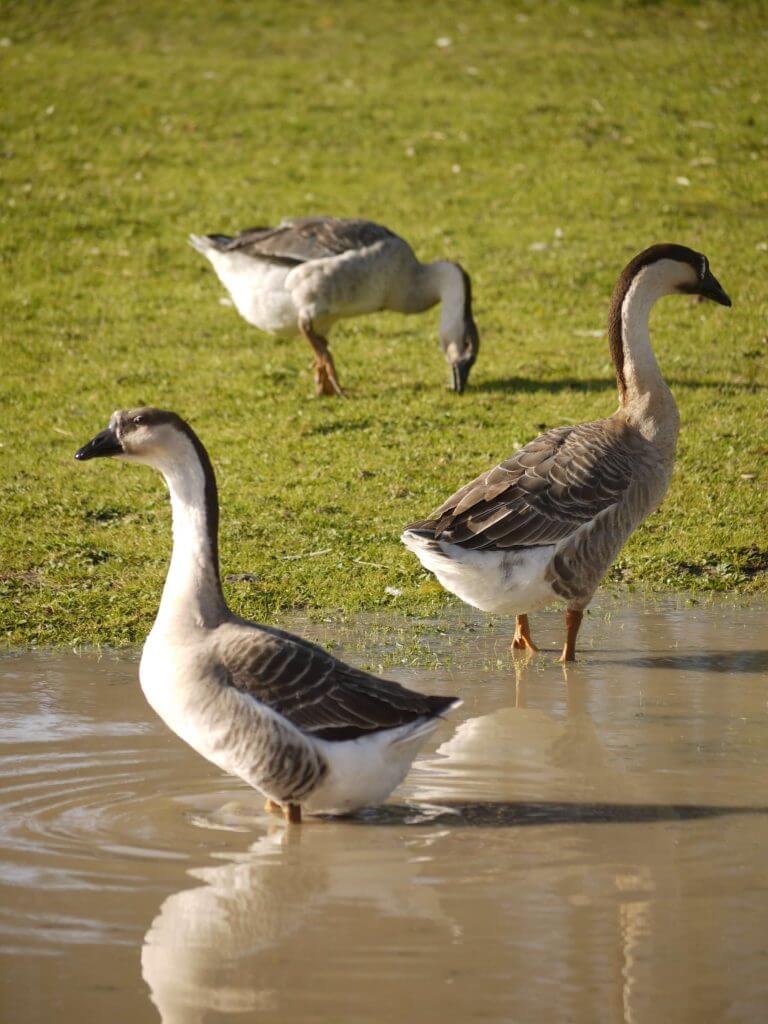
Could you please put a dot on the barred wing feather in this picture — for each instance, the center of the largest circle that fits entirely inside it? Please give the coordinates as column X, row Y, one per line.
column 555, row 484
column 302, row 239
column 318, row 693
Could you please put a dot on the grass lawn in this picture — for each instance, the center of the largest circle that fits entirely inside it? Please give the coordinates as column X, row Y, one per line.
column 540, row 144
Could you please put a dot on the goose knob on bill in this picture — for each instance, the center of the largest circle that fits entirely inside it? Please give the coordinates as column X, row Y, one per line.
column 279, row 712
column 305, row 274
column 545, row 524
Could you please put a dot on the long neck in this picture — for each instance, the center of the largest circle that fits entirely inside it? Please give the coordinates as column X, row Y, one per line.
column 644, row 397
column 442, row 282
column 192, row 594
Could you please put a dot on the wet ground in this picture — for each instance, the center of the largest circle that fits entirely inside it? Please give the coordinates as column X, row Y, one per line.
column 585, row 846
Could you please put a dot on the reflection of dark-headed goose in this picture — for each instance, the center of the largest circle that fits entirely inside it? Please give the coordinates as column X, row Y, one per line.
column 546, row 523
column 231, row 944
column 307, row 273
column 280, row 712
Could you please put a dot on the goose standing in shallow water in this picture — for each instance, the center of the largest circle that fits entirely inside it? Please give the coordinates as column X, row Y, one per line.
column 545, row 524
column 305, row 274
column 280, row 712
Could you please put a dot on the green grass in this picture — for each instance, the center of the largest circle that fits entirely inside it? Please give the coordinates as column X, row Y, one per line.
column 125, row 127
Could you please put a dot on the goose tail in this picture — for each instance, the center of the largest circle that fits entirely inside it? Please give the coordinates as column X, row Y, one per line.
column 422, row 727
column 420, row 538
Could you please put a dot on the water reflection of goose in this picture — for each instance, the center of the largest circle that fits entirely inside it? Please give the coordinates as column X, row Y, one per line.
column 215, row 947
column 521, row 752
column 194, row 951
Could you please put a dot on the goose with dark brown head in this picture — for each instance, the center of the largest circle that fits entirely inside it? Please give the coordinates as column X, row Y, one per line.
column 304, row 728
column 305, row 274
column 545, row 524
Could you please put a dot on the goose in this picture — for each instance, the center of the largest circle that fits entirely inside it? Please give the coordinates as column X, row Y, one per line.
column 545, row 524
column 281, row 713
column 308, row 272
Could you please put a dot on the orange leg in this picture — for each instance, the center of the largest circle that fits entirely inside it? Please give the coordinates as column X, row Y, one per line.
column 323, row 384
column 572, row 623
column 326, row 381
column 522, row 638
column 272, row 807
column 292, row 814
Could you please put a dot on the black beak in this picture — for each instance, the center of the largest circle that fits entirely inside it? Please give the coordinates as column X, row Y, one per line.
column 460, row 373
column 105, row 443
column 712, row 289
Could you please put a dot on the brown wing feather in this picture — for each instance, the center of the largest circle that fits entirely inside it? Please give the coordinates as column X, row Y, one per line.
column 318, row 693
column 541, row 494
column 308, row 238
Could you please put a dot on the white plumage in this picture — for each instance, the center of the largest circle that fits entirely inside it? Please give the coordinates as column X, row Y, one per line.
column 493, row 581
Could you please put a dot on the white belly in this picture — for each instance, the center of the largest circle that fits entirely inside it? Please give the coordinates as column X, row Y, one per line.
column 362, row 773
column 258, row 291
column 509, row 583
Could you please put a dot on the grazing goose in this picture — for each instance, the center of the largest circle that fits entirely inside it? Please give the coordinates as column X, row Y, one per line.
column 546, row 523
column 307, row 273
column 280, row 712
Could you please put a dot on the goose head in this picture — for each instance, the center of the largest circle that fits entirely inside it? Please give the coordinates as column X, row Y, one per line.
column 147, row 435
column 460, row 340
column 699, row 279
column 671, row 269
column 662, row 269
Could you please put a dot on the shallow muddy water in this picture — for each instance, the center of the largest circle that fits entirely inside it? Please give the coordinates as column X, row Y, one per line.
column 585, row 846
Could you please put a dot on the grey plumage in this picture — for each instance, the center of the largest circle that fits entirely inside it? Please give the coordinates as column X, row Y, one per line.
column 601, row 473
column 301, row 239
column 268, row 753
column 311, row 691
column 316, row 692
column 548, row 521
column 545, row 491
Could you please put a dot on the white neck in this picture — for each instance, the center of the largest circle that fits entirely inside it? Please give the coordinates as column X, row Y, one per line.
column 647, row 401
column 192, row 593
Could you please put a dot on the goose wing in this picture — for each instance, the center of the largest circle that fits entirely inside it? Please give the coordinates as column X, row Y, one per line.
column 318, row 693
column 558, row 482
column 302, row 239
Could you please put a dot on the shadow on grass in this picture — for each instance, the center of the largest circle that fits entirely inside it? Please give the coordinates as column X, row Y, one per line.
column 489, row 814
column 340, row 427
column 529, row 385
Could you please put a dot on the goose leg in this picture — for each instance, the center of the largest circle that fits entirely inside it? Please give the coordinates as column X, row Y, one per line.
column 292, row 814
column 323, row 385
column 522, row 638
column 271, row 807
column 572, row 623
column 326, row 381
